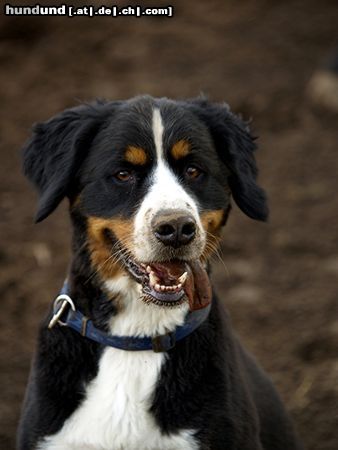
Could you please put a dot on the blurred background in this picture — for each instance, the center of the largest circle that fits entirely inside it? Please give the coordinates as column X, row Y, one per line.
column 279, row 280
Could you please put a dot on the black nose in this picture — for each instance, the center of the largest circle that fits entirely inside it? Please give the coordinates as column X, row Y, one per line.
column 174, row 228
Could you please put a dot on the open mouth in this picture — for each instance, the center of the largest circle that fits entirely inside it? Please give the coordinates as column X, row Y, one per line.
column 172, row 283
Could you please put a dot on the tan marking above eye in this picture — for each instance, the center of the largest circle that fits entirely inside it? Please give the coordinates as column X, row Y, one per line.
column 136, row 155
column 180, row 149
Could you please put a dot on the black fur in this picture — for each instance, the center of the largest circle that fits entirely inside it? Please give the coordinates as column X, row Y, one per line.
column 54, row 156
column 209, row 383
column 235, row 147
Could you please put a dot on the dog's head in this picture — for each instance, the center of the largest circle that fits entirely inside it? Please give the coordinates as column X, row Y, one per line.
column 151, row 181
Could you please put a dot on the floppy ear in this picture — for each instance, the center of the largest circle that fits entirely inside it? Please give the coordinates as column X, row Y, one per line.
column 235, row 147
column 55, row 152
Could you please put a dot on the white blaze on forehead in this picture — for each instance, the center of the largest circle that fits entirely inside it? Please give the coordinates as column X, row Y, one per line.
column 165, row 192
column 158, row 133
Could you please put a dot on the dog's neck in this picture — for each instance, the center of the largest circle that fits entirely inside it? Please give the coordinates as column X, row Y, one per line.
column 115, row 304
column 136, row 318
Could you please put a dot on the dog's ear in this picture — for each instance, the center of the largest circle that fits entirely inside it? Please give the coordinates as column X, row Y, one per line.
column 235, row 146
column 55, row 152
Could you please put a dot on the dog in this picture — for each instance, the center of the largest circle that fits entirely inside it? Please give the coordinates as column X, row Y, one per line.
column 137, row 352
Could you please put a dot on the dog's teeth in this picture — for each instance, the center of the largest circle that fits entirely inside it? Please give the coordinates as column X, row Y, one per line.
column 153, row 280
column 163, row 288
column 157, row 287
column 183, row 277
column 148, row 269
column 179, row 286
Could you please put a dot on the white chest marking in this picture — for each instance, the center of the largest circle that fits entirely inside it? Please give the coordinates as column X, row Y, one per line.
column 115, row 412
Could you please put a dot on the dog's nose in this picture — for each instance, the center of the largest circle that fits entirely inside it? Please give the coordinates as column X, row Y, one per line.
column 174, row 228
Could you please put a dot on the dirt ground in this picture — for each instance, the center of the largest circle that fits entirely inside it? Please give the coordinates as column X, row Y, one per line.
column 279, row 280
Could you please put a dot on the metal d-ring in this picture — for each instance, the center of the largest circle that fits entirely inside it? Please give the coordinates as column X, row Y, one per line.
column 58, row 309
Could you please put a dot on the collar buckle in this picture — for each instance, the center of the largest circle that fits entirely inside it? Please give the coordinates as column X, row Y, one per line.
column 60, row 304
column 164, row 342
column 65, row 314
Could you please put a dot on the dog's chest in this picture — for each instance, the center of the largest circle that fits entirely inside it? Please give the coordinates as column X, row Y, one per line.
column 115, row 413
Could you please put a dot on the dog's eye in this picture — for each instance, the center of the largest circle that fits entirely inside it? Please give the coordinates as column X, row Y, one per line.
column 192, row 172
column 123, row 175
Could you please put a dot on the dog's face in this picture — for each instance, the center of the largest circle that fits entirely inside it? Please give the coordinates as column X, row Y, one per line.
column 151, row 181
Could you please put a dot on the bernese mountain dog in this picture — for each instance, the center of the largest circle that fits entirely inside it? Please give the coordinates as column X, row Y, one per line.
column 137, row 352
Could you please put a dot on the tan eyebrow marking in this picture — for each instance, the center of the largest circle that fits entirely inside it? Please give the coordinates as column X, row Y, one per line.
column 136, row 155
column 180, row 149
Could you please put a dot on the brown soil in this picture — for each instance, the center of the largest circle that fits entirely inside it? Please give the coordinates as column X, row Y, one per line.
column 278, row 280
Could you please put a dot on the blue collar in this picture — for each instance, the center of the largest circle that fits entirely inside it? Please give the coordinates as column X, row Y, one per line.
column 65, row 314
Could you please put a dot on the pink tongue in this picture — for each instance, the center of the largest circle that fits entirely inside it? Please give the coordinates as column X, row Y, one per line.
column 197, row 286
column 169, row 271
